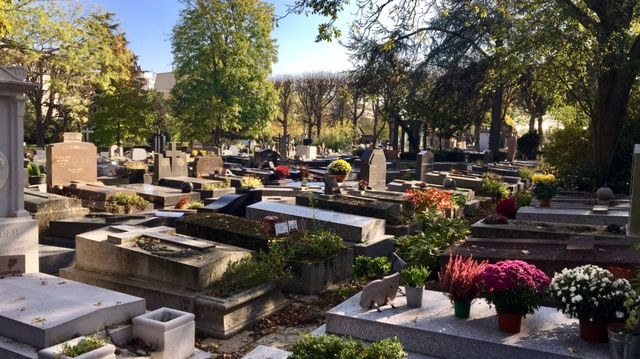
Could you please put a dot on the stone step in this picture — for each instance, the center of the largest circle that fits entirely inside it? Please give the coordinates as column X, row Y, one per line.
column 433, row 330
column 350, row 227
column 573, row 215
column 53, row 258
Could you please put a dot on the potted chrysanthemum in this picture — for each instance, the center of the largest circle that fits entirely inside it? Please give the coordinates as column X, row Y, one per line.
column 340, row 169
column 624, row 338
column 544, row 188
column 516, row 288
column 460, row 281
column 594, row 296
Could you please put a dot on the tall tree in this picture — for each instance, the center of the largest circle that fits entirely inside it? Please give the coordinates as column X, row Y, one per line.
column 286, row 91
column 223, row 53
column 316, row 91
column 69, row 52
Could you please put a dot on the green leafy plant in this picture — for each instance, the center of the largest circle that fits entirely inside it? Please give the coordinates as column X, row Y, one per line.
column 195, row 204
column 251, row 272
column 426, row 247
column 217, row 185
column 334, row 347
column 415, row 276
column 250, row 182
column 371, row 268
column 308, row 247
column 526, row 173
column 127, row 200
column 85, row 345
column 459, row 200
column 524, row 198
column 34, row 170
column 339, row 168
column 493, row 187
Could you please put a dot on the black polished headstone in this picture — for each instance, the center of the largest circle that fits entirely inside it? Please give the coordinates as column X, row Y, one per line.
column 232, row 204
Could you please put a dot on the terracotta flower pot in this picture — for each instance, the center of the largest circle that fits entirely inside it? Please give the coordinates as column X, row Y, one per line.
column 593, row 332
column 545, row 202
column 509, row 323
column 340, row 178
column 462, row 309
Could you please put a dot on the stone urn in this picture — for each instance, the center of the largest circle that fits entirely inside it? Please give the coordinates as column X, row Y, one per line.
column 186, row 187
column 604, row 194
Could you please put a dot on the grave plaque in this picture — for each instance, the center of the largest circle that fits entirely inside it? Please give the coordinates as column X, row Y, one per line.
column 206, row 165
column 425, row 164
column 374, row 169
column 71, row 161
column 12, row 265
column 634, row 201
column 331, row 186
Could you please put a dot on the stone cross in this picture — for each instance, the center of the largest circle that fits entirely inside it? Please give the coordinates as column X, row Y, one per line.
column 162, row 233
column 86, row 132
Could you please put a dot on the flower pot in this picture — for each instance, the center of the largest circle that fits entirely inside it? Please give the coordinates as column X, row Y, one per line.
column 33, row 180
column 414, row 296
column 509, row 323
column 462, row 309
column 545, row 202
column 622, row 345
column 270, row 224
column 593, row 332
column 340, row 178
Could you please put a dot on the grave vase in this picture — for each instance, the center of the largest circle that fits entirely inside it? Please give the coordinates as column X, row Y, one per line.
column 509, row 322
column 622, row 345
column 414, row 296
column 593, row 332
column 462, row 309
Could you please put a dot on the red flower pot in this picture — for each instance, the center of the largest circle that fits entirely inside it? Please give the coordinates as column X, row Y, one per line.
column 593, row 332
column 509, row 323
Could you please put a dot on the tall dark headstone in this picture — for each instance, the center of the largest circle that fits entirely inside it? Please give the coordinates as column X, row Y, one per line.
column 159, row 143
column 425, row 163
column 262, row 158
column 373, row 169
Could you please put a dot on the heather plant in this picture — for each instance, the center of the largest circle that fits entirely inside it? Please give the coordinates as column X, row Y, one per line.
column 430, row 200
column 460, row 279
column 507, row 207
column 514, row 286
column 591, row 293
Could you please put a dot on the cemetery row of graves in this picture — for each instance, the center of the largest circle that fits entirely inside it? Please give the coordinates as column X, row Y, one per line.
column 118, row 255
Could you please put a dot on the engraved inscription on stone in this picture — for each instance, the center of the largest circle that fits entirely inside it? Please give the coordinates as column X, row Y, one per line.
column 4, row 169
column 12, row 265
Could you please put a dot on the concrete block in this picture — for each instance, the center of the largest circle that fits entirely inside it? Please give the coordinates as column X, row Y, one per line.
column 171, row 333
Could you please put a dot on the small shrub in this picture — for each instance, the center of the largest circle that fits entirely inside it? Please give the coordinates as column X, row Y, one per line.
column 524, row 198
column 339, row 168
column 526, row 173
column 334, row 347
column 507, row 208
column 128, row 201
column 217, row 185
column 250, row 182
column 430, row 200
column 493, row 187
column 34, row 170
column 308, row 247
column 249, row 273
column 85, row 345
column 371, row 268
column 415, row 276
column 195, row 205
column 528, row 144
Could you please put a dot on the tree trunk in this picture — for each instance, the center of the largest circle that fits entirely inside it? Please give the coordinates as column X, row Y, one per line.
column 310, row 129
column 496, row 121
column 476, row 132
column 540, row 130
column 393, row 124
column 532, row 122
column 608, row 119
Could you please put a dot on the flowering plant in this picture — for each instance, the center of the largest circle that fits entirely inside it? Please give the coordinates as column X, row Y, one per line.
column 632, row 325
column 591, row 293
column 339, row 168
column 460, row 278
column 544, row 186
column 430, row 200
column 514, row 286
column 281, row 172
column 363, row 185
column 507, row 207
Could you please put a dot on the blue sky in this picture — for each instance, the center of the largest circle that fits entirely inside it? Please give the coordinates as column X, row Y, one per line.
column 148, row 25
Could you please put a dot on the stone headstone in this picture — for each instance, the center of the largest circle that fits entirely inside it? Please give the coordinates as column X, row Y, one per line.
column 18, row 231
column 331, row 186
column 172, row 164
column 283, row 145
column 41, row 157
column 633, row 228
column 72, row 137
column 159, row 143
column 512, row 148
column 307, row 152
column 262, row 158
column 115, row 151
column 374, row 169
column 483, row 141
column 425, row 163
column 138, row 154
column 234, row 150
column 206, row 165
column 71, row 161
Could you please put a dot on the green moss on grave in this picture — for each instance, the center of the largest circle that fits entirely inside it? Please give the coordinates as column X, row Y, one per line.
column 222, row 228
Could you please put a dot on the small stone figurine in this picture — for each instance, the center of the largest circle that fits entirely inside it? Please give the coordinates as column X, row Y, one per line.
column 380, row 292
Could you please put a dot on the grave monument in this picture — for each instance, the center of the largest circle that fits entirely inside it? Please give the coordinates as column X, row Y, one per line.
column 71, row 160
column 18, row 231
column 374, row 169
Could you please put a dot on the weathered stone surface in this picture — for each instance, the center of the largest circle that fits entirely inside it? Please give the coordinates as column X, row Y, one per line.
column 313, row 278
column 71, row 161
column 572, row 215
column 373, row 169
column 172, row 164
column 161, row 197
column 42, row 310
column 206, row 165
column 19, row 237
column 362, row 206
column 380, row 292
column 425, row 163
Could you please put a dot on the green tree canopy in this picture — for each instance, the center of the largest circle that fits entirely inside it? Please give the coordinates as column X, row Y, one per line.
column 223, row 53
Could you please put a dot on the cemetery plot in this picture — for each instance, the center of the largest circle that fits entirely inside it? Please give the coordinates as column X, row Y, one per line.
column 161, row 197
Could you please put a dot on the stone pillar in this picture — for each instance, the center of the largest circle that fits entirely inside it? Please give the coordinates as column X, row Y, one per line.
column 633, row 227
column 18, row 231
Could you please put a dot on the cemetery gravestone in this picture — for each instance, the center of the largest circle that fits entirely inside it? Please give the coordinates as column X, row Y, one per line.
column 159, row 143
column 425, row 164
column 306, row 152
column 234, row 150
column 172, row 164
column 206, row 165
column 72, row 160
column 115, row 151
column 374, row 169
column 633, row 228
column 262, row 158
column 138, row 154
column 18, row 231
column 512, row 147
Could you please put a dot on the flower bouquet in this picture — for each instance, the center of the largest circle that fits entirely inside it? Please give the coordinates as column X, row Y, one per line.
column 516, row 289
column 460, row 281
column 594, row 296
column 544, row 188
column 430, row 200
column 281, row 172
